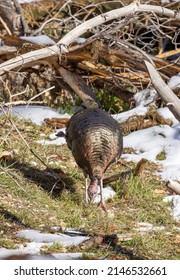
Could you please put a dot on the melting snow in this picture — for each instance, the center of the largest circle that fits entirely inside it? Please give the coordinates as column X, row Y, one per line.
column 39, row 40
column 143, row 227
column 39, row 240
column 36, row 114
column 37, row 236
column 54, row 140
column 174, row 81
column 148, row 143
column 107, row 192
column 138, row 111
column 175, row 205
column 145, row 97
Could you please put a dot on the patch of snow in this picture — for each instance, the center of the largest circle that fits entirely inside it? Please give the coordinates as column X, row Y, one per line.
column 138, row 111
column 36, row 114
column 171, row 172
column 32, row 250
column 176, row 228
column 145, row 97
column 175, row 205
column 39, row 40
column 174, row 81
column 143, row 227
column 55, row 140
column 38, row 237
column 107, row 192
column 80, row 40
column 55, row 228
column 148, row 143
column 166, row 113
column 53, row 136
column 168, row 198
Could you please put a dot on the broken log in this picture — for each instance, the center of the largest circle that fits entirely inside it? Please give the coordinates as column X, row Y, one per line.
column 173, row 186
column 167, row 95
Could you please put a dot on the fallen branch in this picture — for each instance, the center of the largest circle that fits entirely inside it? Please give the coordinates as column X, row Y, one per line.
column 167, row 95
column 7, row 50
column 173, row 186
column 152, row 118
column 79, row 86
column 116, row 177
column 25, row 59
column 21, row 102
column 118, row 55
column 56, row 122
column 140, row 167
column 168, row 54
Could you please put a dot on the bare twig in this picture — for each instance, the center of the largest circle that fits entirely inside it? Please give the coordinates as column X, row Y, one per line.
column 37, row 95
column 21, row 102
column 39, row 30
column 5, row 26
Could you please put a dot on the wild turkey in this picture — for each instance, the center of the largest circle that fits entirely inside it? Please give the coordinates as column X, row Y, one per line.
column 95, row 140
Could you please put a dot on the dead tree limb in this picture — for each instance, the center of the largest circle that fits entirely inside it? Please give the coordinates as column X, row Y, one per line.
column 79, row 86
column 61, row 46
column 173, row 186
column 167, row 95
column 123, row 174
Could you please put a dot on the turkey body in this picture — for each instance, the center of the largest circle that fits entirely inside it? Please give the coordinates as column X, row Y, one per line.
column 95, row 140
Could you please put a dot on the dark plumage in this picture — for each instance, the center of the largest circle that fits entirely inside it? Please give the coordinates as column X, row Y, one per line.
column 95, row 140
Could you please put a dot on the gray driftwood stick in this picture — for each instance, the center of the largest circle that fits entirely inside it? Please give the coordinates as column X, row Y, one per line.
column 167, row 95
column 173, row 186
